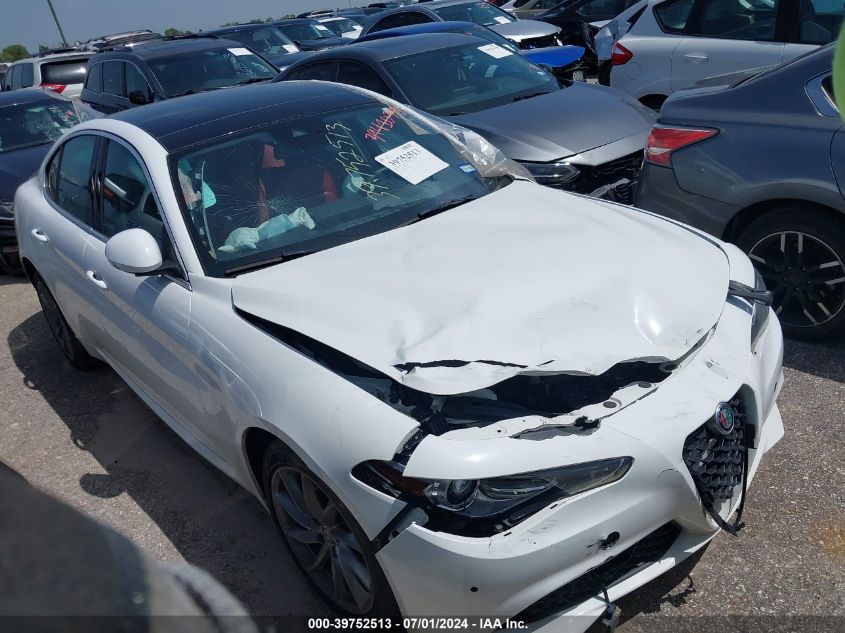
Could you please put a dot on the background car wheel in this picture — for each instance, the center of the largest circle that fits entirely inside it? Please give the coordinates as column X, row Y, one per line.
column 801, row 256
column 325, row 539
column 65, row 338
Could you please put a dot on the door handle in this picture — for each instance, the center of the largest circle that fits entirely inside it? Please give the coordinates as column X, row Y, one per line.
column 95, row 279
column 38, row 234
column 695, row 58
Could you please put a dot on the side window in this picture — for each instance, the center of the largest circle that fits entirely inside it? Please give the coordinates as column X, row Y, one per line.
column 324, row 71
column 820, row 21
column 113, row 78
column 737, row 19
column 359, row 75
column 673, row 16
column 136, row 82
column 27, row 76
column 94, row 80
column 16, row 77
column 396, row 20
column 128, row 201
column 73, row 189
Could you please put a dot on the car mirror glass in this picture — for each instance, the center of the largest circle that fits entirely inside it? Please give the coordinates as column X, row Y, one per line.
column 134, row 251
column 138, row 97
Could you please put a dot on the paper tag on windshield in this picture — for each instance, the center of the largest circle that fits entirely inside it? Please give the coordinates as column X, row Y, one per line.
column 321, row 27
column 290, row 48
column 502, row 20
column 412, row 162
column 240, row 51
column 494, row 50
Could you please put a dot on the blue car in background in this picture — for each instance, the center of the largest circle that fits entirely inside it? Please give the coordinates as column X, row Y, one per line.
column 564, row 62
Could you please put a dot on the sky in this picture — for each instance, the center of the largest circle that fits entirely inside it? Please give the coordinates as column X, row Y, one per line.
column 29, row 22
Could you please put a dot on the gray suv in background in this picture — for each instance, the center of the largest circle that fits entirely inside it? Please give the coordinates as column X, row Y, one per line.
column 760, row 161
column 59, row 71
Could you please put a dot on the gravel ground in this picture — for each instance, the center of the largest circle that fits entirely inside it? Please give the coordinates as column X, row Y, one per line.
column 88, row 440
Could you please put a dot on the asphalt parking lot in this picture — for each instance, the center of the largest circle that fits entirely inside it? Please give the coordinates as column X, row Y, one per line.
column 86, row 439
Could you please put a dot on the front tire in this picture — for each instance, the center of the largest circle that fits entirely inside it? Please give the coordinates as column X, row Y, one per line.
column 801, row 255
column 326, row 541
column 60, row 328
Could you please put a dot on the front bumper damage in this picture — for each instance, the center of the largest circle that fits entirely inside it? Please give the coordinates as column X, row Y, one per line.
column 536, row 568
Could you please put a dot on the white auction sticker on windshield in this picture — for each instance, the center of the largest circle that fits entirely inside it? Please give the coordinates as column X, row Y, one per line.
column 240, row 51
column 290, row 48
column 494, row 50
column 321, row 27
column 412, row 162
column 502, row 20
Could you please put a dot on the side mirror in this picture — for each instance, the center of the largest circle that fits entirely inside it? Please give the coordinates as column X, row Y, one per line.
column 138, row 97
column 134, row 251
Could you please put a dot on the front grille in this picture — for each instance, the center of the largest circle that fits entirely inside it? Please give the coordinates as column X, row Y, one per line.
column 594, row 177
column 539, row 42
column 717, row 459
column 640, row 555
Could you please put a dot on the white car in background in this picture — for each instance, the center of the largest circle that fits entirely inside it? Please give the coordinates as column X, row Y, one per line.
column 342, row 27
column 676, row 43
column 61, row 71
column 458, row 392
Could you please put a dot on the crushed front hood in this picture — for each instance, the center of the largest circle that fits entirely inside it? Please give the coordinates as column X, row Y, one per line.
column 527, row 279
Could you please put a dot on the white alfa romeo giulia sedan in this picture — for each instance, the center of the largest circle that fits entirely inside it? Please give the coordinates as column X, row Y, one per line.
column 459, row 393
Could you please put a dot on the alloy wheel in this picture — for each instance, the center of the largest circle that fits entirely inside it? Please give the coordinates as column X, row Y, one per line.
column 321, row 539
column 805, row 275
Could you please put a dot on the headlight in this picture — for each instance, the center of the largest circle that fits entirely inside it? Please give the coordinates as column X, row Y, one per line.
column 552, row 174
column 486, row 506
column 7, row 210
column 760, row 312
column 489, row 497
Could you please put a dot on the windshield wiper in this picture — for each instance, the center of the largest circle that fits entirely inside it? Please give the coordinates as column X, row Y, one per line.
column 253, row 81
column 263, row 263
column 530, row 95
column 440, row 209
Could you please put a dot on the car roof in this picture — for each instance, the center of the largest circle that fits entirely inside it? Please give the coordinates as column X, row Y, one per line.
column 434, row 4
column 249, row 26
column 392, row 47
column 294, row 21
column 154, row 49
column 27, row 97
column 193, row 119
column 425, row 27
column 53, row 57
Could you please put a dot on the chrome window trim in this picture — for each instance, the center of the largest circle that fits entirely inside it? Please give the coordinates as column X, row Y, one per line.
column 820, row 98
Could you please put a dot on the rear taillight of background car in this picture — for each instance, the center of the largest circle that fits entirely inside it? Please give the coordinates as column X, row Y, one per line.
column 620, row 55
column 53, row 87
column 663, row 140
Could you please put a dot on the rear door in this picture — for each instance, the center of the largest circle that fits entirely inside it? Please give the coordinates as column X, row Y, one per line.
column 60, row 229
column 724, row 36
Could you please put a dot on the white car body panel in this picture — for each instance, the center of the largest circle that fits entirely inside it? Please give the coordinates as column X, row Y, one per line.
column 664, row 62
column 419, row 294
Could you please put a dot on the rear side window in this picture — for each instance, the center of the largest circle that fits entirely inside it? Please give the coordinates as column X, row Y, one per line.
column 73, row 189
column 27, row 76
column 64, row 73
column 396, row 20
column 673, row 16
column 737, row 19
column 356, row 74
column 323, row 71
column 820, row 21
column 94, row 80
column 113, row 78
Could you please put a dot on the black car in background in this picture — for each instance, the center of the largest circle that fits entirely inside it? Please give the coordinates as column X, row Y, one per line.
column 574, row 18
column 308, row 34
column 30, row 120
column 151, row 71
column 265, row 39
column 760, row 161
